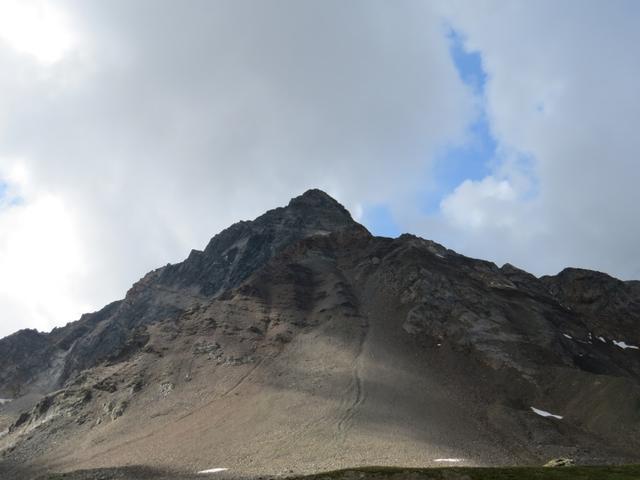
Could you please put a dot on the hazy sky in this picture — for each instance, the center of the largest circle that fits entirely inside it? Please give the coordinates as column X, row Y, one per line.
column 133, row 130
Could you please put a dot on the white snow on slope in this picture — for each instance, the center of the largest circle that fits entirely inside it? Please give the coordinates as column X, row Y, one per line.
column 542, row 413
column 568, row 336
column 212, row 470
column 4, row 400
column 449, row 460
column 623, row 345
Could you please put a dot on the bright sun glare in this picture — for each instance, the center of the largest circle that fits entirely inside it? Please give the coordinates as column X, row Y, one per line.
column 35, row 27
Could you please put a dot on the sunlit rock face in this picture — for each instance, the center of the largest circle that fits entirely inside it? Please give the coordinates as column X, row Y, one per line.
column 302, row 342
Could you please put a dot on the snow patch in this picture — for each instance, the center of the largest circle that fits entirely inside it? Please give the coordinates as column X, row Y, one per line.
column 623, row 345
column 566, row 335
column 602, row 339
column 448, row 460
column 5, row 400
column 212, row 470
column 542, row 413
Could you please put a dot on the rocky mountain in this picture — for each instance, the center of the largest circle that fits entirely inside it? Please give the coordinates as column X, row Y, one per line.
column 298, row 342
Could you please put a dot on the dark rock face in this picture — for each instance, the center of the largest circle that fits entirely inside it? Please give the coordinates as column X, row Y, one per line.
column 608, row 306
column 22, row 356
column 237, row 252
column 166, row 293
column 414, row 322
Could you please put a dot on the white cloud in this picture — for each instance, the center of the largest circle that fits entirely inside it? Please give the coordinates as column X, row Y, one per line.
column 481, row 204
column 41, row 260
column 560, row 92
column 160, row 123
column 36, row 28
column 167, row 121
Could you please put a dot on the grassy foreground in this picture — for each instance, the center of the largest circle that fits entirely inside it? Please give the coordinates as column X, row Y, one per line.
column 624, row 472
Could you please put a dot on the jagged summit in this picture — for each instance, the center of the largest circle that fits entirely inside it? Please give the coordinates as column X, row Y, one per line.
column 316, row 198
column 233, row 254
column 313, row 211
column 300, row 341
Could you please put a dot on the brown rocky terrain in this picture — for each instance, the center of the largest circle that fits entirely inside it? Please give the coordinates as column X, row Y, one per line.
column 299, row 342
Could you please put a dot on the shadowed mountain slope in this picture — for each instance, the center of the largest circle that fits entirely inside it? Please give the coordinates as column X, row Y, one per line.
column 300, row 342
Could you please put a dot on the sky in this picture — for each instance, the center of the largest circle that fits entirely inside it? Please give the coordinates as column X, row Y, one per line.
column 131, row 131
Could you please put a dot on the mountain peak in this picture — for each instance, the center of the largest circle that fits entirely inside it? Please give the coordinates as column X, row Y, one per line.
column 313, row 211
column 301, row 313
column 315, row 197
column 315, row 201
column 238, row 251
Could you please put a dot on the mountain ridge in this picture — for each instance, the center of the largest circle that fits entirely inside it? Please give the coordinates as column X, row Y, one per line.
column 202, row 273
column 354, row 348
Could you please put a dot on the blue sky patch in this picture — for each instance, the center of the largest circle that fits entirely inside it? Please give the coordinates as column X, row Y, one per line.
column 5, row 199
column 379, row 220
column 469, row 161
column 468, row 64
column 472, row 160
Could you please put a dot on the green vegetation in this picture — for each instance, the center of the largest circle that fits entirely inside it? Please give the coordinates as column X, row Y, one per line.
column 624, row 472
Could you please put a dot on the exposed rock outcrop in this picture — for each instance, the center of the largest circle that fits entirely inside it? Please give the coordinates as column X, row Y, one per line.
column 299, row 339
